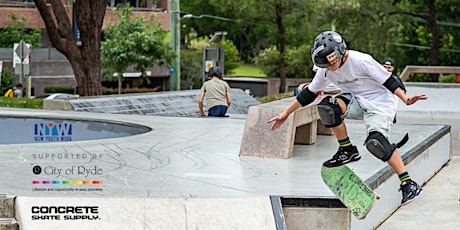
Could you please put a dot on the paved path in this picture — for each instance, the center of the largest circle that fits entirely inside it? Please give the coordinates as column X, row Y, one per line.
column 439, row 205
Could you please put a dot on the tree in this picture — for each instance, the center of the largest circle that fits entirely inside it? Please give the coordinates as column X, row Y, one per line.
column 282, row 19
column 192, row 60
column 429, row 15
column 8, row 81
column 85, row 59
column 298, row 61
column 13, row 33
column 408, row 30
column 133, row 42
column 232, row 60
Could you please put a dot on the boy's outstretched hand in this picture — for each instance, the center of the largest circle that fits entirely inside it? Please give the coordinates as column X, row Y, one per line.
column 279, row 120
column 413, row 99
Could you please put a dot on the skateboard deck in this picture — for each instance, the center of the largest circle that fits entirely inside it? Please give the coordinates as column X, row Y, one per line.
column 350, row 189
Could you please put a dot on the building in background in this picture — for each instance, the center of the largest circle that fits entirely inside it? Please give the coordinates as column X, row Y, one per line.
column 50, row 68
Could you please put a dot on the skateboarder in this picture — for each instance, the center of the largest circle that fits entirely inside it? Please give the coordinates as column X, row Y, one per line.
column 369, row 96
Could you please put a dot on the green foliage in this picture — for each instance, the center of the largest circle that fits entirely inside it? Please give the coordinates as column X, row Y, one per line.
column 232, row 60
column 16, row 31
column 251, row 25
column 418, row 77
column 8, row 80
column 297, row 62
column 59, row 89
column 14, row 102
column 191, row 65
column 365, row 25
column 133, row 42
column 268, row 59
column 451, row 78
column 192, row 60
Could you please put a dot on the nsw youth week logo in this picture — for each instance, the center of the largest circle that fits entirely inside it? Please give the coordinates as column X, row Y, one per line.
column 52, row 132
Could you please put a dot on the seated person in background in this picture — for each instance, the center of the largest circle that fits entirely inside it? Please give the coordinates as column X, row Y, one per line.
column 15, row 91
column 217, row 94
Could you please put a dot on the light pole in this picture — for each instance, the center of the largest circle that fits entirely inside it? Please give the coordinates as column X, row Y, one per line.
column 174, row 79
column 208, row 16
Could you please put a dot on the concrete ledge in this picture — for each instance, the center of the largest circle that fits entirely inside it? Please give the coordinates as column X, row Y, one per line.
column 7, row 220
column 301, row 127
column 6, row 206
column 423, row 161
column 8, row 224
column 147, row 213
column 57, row 104
column 316, row 213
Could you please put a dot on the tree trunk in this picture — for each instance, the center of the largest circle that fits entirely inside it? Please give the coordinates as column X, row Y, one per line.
column 281, row 47
column 85, row 59
column 434, row 51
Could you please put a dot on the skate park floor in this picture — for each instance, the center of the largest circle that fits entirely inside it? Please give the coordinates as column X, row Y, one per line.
column 198, row 158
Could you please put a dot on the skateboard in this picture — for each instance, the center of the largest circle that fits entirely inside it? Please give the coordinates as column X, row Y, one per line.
column 354, row 193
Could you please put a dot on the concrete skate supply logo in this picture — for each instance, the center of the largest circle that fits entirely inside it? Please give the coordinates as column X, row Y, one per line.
column 52, row 132
column 65, row 213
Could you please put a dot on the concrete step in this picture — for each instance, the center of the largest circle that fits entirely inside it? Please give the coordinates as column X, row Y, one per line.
column 7, row 213
column 8, row 224
column 145, row 213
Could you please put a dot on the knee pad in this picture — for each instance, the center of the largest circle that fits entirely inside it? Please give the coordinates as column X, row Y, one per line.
column 379, row 146
column 330, row 112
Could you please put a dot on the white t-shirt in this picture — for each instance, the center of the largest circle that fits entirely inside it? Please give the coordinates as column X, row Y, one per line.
column 363, row 77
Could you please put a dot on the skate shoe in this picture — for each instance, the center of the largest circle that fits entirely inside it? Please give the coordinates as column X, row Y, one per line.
column 410, row 191
column 342, row 157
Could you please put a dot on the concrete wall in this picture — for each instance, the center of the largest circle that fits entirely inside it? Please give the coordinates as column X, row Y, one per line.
column 274, row 84
column 261, row 87
column 40, row 82
column 149, row 213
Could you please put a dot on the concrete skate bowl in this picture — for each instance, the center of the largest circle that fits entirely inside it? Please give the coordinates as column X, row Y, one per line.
column 17, row 129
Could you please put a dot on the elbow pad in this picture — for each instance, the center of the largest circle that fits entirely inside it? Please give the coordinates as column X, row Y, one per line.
column 306, row 97
column 392, row 84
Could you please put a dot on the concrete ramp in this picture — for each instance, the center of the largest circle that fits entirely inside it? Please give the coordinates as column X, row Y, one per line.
column 176, row 103
column 70, row 213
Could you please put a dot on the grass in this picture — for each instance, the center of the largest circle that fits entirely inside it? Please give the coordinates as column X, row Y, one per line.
column 248, row 71
column 275, row 97
column 14, row 102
